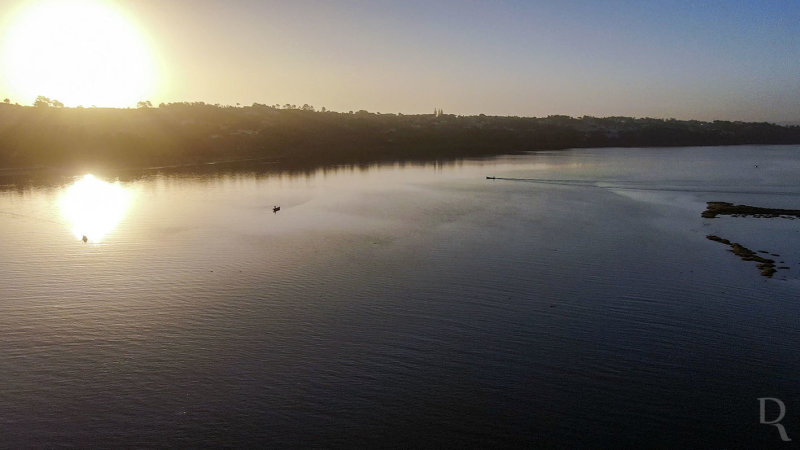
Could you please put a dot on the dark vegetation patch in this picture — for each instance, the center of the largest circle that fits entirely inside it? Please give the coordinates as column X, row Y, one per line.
column 715, row 209
column 765, row 266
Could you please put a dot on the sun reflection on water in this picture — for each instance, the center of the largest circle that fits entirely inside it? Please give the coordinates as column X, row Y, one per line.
column 94, row 207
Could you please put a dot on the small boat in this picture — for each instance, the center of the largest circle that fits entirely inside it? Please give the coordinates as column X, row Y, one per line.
column 490, row 178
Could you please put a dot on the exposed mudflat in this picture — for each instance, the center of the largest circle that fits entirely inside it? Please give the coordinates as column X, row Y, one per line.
column 715, row 209
column 765, row 265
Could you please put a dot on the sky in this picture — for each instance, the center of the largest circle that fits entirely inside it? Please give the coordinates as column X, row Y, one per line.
column 706, row 60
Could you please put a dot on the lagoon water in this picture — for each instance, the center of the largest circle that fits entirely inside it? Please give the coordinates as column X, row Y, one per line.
column 576, row 302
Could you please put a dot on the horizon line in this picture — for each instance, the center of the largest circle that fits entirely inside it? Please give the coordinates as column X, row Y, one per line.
column 310, row 108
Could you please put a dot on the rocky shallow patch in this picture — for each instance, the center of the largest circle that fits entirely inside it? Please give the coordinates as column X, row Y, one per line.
column 715, row 209
column 765, row 265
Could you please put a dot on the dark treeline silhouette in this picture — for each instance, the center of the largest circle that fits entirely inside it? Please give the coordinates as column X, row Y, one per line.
column 49, row 135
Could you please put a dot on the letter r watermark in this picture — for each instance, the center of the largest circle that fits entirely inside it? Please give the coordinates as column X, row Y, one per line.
column 762, row 402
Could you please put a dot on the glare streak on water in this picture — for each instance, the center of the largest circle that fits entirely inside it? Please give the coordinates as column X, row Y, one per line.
column 408, row 305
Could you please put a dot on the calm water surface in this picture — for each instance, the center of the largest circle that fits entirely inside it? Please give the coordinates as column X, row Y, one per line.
column 579, row 304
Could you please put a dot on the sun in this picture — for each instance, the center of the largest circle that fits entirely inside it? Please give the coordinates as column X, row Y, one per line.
column 80, row 52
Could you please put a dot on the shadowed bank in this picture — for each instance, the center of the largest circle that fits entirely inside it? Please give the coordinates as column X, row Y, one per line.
column 198, row 133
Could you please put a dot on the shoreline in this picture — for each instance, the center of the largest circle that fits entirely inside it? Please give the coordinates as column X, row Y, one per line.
column 303, row 164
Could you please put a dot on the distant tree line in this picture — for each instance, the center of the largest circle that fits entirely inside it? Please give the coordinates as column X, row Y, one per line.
column 48, row 134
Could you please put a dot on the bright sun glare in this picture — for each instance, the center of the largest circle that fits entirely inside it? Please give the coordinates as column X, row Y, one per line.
column 80, row 52
column 94, row 207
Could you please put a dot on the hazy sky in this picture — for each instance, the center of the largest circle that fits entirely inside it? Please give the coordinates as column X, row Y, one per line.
column 737, row 60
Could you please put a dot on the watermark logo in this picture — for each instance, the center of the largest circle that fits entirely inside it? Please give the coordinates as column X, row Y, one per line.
column 762, row 403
